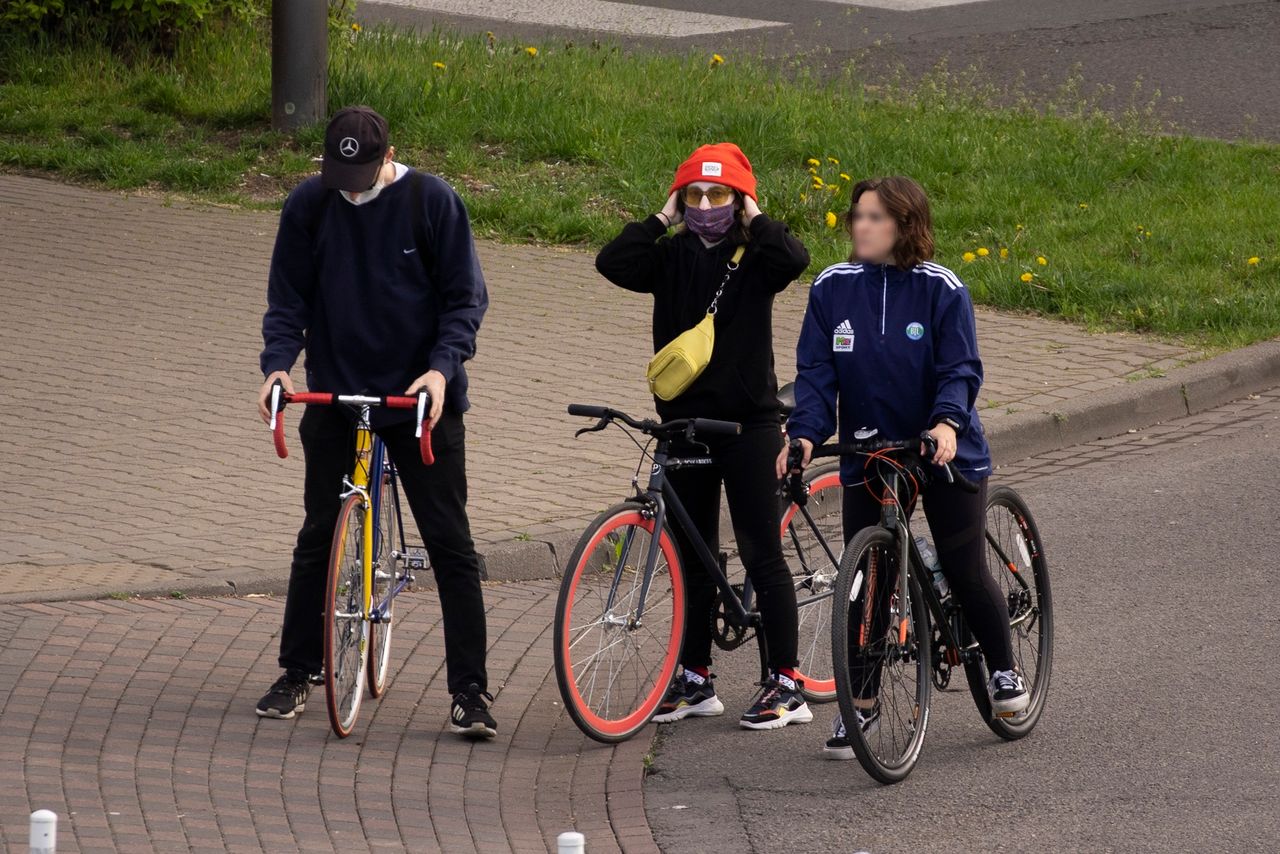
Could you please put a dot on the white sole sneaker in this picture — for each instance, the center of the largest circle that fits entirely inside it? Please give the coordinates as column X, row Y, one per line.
column 708, row 708
column 838, row 753
column 1010, row 708
column 798, row 715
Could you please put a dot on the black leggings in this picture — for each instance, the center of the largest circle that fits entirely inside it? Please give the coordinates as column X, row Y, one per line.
column 957, row 520
column 744, row 464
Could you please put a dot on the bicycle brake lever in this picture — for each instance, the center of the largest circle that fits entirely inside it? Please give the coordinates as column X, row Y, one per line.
column 599, row 425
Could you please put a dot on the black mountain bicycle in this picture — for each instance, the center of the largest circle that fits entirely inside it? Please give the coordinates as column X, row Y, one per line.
column 619, row 624
column 897, row 637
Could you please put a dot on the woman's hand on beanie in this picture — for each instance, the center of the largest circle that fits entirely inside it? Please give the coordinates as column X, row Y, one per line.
column 671, row 211
column 750, row 210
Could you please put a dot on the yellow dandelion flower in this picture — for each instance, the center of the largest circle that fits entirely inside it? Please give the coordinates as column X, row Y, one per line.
column 814, row 162
column 1084, row 206
column 1042, row 261
column 1254, row 261
column 833, row 161
column 488, row 34
column 1026, row 277
column 968, row 257
column 844, row 176
column 1142, row 228
column 813, row 171
column 983, row 252
column 1018, row 226
column 1146, row 234
column 833, row 188
column 355, row 28
column 439, row 66
column 818, row 183
column 830, row 219
column 717, row 59
column 1004, row 253
column 531, row 50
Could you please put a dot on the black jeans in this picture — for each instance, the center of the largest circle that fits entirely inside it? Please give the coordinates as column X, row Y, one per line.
column 744, row 464
column 957, row 520
column 437, row 497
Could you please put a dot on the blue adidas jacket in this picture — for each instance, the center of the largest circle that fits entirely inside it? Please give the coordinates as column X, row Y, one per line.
column 891, row 349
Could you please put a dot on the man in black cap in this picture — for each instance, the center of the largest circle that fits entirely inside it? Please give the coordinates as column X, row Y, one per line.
column 375, row 275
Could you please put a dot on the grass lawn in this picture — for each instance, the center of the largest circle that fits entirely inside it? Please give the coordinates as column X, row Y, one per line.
column 1085, row 218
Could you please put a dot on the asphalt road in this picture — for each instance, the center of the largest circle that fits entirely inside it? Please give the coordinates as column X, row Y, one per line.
column 1162, row 731
column 1213, row 62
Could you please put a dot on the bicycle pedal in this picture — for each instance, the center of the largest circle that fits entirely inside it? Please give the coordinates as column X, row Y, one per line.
column 415, row 559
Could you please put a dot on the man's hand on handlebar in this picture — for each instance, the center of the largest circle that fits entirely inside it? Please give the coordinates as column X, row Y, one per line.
column 264, row 395
column 433, row 382
column 784, row 463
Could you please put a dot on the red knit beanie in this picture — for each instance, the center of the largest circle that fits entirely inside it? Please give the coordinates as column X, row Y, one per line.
column 722, row 163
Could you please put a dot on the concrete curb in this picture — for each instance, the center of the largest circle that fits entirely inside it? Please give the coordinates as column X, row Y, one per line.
column 1184, row 391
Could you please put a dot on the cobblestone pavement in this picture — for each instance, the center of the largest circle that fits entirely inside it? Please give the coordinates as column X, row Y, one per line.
column 129, row 360
column 133, row 720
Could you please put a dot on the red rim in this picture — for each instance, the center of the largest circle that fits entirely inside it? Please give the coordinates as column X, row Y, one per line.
column 639, row 717
column 826, row 481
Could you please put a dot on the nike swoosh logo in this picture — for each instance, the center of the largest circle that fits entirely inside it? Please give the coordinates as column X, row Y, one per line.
column 408, row 251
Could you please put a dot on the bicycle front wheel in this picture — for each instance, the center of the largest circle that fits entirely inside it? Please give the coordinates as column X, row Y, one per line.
column 386, row 575
column 880, row 646
column 346, row 631
column 618, row 634
column 809, row 550
column 1016, row 559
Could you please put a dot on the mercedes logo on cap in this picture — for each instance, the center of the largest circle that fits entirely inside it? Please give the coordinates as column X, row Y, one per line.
column 348, row 147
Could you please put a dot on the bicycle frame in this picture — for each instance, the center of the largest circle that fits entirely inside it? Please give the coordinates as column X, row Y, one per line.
column 370, row 465
column 662, row 498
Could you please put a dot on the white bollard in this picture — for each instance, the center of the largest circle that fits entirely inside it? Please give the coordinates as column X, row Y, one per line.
column 571, row 842
column 44, row 832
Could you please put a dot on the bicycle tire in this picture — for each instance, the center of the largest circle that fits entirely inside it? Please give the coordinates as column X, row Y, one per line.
column 815, row 578
column 870, row 748
column 346, row 637
column 589, row 574
column 1019, row 523
column 385, row 578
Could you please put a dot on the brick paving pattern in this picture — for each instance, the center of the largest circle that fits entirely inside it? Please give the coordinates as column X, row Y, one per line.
column 129, row 360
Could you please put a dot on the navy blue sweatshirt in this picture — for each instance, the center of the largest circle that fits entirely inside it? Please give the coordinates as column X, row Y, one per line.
column 892, row 349
column 375, row 304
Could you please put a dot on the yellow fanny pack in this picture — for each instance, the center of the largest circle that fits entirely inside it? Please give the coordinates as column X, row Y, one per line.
column 674, row 368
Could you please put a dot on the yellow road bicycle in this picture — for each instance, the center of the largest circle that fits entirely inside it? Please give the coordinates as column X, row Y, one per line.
column 369, row 563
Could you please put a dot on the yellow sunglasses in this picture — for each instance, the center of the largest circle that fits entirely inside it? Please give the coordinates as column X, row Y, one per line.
column 717, row 195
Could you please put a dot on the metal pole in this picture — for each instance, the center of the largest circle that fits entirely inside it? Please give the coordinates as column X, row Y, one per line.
column 299, row 62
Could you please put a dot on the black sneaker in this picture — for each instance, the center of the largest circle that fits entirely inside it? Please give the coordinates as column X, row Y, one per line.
column 469, row 715
column 838, row 746
column 690, row 695
column 287, row 697
column 779, row 703
column 1008, row 693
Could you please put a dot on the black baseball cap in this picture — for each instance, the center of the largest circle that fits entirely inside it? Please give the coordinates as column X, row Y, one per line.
column 355, row 144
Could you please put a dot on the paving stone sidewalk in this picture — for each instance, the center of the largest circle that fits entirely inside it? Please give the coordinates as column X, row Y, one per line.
column 129, row 334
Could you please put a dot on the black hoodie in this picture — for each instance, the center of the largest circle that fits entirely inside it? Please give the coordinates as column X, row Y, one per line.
column 683, row 274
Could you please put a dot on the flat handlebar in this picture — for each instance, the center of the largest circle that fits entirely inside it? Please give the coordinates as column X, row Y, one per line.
column 651, row 427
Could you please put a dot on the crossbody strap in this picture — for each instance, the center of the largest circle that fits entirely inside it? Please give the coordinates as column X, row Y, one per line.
column 733, row 265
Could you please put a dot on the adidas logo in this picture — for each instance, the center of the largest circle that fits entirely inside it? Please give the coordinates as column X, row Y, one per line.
column 845, row 328
column 458, row 714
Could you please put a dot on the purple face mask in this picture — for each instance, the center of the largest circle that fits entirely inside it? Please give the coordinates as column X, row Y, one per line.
column 711, row 224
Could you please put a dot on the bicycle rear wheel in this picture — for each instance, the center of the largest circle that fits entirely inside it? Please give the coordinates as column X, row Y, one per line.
column 1016, row 559
column 881, row 648
column 386, row 575
column 806, row 551
column 613, row 662
column 346, row 631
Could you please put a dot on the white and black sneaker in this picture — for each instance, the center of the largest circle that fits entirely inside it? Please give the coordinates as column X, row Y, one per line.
column 287, row 697
column 691, row 695
column 1008, row 693
column 778, row 704
column 469, row 714
column 838, row 746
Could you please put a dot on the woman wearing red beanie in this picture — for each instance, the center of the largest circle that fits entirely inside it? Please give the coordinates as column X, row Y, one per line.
column 713, row 201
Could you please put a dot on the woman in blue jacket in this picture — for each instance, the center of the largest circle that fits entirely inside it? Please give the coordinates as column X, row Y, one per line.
column 889, row 342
